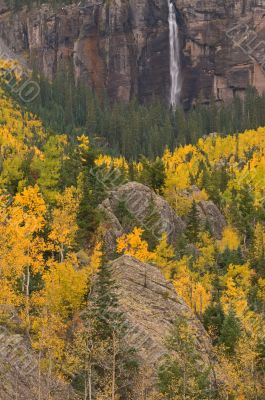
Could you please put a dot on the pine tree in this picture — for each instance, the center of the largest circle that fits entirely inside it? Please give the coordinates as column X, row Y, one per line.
column 153, row 173
column 246, row 213
column 110, row 327
column 193, row 224
column 213, row 320
column 180, row 376
column 230, row 332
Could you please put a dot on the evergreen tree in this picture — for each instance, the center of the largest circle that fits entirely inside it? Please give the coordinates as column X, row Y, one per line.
column 153, row 173
column 213, row 320
column 110, row 327
column 193, row 224
column 230, row 257
column 181, row 375
column 88, row 215
column 104, row 302
column 230, row 332
column 246, row 212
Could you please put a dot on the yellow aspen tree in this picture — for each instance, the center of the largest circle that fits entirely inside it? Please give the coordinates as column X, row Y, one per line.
column 132, row 244
column 29, row 211
column 164, row 256
column 230, row 239
column 22, row 253
column 237, row 282
column 64, row 225
column 65, row 286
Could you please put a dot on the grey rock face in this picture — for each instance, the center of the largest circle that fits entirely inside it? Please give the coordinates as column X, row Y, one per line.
column 222, row 44
column 118, row 46
column 19, row 371
column 210, row 213
column 123, row 47
column 144, row 209
column 151, row 306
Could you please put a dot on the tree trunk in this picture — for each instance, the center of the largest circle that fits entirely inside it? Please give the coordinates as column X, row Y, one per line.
column 113, row 367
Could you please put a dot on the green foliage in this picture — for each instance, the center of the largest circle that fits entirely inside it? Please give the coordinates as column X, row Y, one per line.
column 153, row 174
column 230, row 257
column 91, row 191
column 246, row 212
column 180, row 374
column 110, row 328
column 133, row 129
column 47, row 171
column 104, row 305
column 193, row 224
column 230, row 332
column 213, row 319
column 215, row 182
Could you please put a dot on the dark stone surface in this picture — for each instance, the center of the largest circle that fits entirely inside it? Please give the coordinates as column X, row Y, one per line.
column 122, row 46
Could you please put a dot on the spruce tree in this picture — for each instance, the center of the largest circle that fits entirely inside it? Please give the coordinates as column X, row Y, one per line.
column 213, row 320
column 153, row 173
column 104, row 301
column 246, row 212
column 88, row 216
column 230, row 332
column 181, row 375
column 110, row 328
column 193, row 224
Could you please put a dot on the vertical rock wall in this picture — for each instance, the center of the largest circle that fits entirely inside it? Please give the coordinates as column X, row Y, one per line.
column 122, row 46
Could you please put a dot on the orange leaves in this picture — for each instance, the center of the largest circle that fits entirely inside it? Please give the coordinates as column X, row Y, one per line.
column 22, row 249
column 132, row 244
column 237, row 283
column 63, row 225
column 230, row 239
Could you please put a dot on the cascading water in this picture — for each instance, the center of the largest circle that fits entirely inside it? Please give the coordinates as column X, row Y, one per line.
column 175, row 71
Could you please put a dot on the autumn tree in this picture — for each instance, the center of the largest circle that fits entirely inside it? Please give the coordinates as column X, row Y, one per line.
column 63, row 225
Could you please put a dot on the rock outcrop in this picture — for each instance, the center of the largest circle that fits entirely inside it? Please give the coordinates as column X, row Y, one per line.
column 20, row 376
column 123, row 46
column 151, row 307
column 134, row 204
column 210, row 214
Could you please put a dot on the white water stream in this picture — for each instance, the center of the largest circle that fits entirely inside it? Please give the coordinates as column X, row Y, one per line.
column 175, row 71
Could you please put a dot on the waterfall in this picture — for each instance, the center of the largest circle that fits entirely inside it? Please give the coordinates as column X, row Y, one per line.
column 175, row 72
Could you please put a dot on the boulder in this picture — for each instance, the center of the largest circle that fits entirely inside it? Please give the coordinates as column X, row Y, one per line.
column 151, row 306
column 19, row 372
column 134, row 204
column 211, row 215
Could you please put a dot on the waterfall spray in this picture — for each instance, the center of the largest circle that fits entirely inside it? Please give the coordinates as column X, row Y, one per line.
column 175, row 72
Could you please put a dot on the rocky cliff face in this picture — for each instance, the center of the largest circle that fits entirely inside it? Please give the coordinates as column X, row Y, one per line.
column 151, row 306
column 134, row 204
column 122, row 45
column 223, row 47
column 21, row 378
